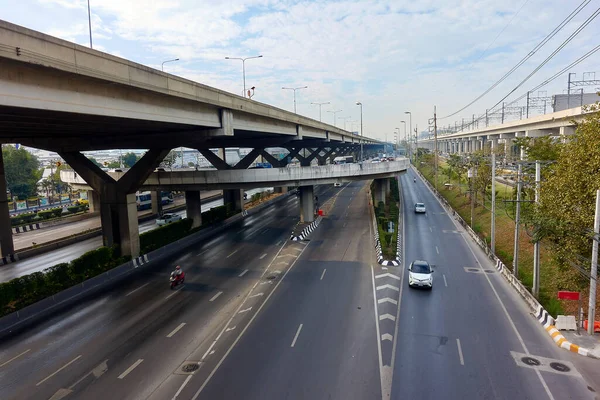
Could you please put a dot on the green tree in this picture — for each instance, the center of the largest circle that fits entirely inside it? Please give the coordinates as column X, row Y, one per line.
column 129, row 159
column 458, row 166
column 22, row 171
column 113, row 164
column 169, row 159
column 96, row 162
column 565, row 214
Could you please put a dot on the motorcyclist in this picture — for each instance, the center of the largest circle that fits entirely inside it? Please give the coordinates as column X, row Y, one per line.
column 415, row 180
column 177, row 273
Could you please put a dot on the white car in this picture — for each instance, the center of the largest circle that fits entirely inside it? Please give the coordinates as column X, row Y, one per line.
column 420, row 208
column 337, row 184
column 420, row 274
column 167, row 219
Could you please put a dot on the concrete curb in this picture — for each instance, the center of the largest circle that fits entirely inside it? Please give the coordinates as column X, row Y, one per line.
column 9, row 258
column 307, row 230
column 26, row 228
column 543, row 317
column 397, row 261
column 75, row 294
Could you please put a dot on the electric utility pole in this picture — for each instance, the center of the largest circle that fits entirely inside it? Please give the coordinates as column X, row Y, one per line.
column 493, row 226
column 517, row 221
column 594, row 271
column 435, row 146
column 536, row 244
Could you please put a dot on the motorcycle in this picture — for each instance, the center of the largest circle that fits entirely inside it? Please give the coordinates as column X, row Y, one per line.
column 176, row 280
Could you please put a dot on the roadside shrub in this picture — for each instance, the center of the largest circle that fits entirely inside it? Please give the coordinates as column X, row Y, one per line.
column 46, row 214
column 74, row 209
column 90, row 264
column 166, row 234
column 57, row 212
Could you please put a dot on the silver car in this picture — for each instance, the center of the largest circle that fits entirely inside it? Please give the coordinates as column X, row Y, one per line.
column 420, row 274
column 167, row 219
column 420, row 208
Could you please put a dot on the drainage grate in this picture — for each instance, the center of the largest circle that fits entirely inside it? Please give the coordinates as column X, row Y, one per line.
column 559, row 367
column 489, row 271
column 271, row 277
column 191, row 367
column 531, row 361
column 472, row 269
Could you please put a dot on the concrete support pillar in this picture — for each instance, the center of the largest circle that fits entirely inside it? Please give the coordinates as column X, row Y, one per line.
column 156, row 198
column 192, row 207
column 388, row 188
column 280, row 189
column 93, row 200
column 235, row 197
column 6, row 242
column 380, row 190
column 118, row 208
column 307, row 204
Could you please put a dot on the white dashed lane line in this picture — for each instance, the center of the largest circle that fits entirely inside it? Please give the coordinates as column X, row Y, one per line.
column 323, row 274
column 297, row 334
column 215, row 296
column 128, row 370
column 58, row 370
column 263, row 256
column 173, row 294
column 445, row 282
column 460, row 354
column 176, row 330
column 437, row 250
column 135, row 290
column 244, row 272
column 232, row 253
column 14, row 358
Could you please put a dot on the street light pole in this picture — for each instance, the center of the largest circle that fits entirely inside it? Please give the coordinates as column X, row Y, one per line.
column 405, row 139
column 410, row 126
column 320, row 104
column 294, row 89
column 358, row 103
column 334, row 115
column 243, row 59
column 90, row 23
column 162, row 66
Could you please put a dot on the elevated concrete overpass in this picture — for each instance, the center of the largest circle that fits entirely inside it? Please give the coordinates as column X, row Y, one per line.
column 559, row 124
column 63, row 97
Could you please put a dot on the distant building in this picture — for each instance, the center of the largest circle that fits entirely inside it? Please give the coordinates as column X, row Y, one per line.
column 564, row 101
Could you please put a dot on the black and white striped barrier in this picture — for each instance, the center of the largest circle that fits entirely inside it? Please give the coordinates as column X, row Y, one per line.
column 139, row 261
column 380, row 259
column 308, row 230
column 26, row 228
column 244, row 213
column 10, row 258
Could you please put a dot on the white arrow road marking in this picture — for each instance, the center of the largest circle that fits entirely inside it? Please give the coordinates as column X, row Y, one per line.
column 387, row 300
column 286, row 255
column 246, row 310
column 266, row 283
column 387, row 286
column 387, row 336
column 387, row 275
column 229, row 329
column 387, row 316
column 255, row 295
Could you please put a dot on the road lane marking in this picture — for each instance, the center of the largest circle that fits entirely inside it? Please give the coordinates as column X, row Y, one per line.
column 58, row 370
column 387, row 316
column 173, row 294
column 246, row 310
column 387, row 300
column 345, row 223
column 430, row 230
column 244, row 272
column 176, row 329
column 263, row 256
column 460, row 354
column 229, row 329
column 445, row 282
column 182, row 386
column 278, row 243
column 323, row 274
column 232, row 253
column 14, row 358
column 386, row 336
column 209, row 349
column 387, row 275
column 215, row 296
column 199, row 254
column 128, row 370
column 297, row 334
column 437, row 250
column 133, row 291
column 255, row 295
column 387, row 286
column 512, row 323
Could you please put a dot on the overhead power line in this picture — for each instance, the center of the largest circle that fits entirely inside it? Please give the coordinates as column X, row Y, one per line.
column 528, row 56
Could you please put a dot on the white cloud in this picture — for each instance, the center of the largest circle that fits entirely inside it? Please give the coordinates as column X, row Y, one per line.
column 392, row 55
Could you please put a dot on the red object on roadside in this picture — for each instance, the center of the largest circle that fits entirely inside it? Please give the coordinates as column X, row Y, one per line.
column 596, row 325
column 321, row 212
column 565, row 295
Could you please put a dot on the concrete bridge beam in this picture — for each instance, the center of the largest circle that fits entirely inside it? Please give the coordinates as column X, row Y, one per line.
column 307, row 204
column 193, row 207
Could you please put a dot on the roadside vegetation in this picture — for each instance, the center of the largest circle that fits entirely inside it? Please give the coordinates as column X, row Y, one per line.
column 384, row 213
column 562, row 220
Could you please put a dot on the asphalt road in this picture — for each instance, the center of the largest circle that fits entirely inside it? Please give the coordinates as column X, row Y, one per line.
column 266, row 318
column 89, row 350
column 68, row 253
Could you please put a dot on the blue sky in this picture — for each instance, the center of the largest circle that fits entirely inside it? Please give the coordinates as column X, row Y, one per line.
column 391, row 55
